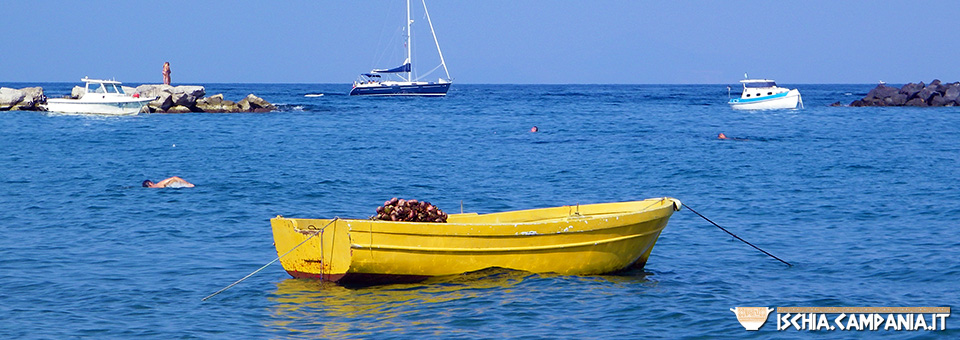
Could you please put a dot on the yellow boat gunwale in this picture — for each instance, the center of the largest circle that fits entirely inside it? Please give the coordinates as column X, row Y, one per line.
column 493, row 249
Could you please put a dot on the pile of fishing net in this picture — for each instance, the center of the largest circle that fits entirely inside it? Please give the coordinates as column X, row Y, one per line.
column 409, row 211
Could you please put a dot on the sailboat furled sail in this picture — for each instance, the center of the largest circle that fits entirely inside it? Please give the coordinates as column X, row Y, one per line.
column 372, row 83
column 399, row 69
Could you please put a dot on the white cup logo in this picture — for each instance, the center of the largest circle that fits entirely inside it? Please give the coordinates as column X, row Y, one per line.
column 752, row 318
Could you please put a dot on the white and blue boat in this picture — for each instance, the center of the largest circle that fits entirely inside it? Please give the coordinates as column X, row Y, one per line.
column 376, row 83
column 103, row 97
column 764, row 94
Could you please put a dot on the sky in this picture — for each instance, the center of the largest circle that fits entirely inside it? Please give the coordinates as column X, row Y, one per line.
column 483, row 41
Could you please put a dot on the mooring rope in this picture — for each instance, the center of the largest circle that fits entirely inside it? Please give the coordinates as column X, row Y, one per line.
column 737, row 237
column 274, row 260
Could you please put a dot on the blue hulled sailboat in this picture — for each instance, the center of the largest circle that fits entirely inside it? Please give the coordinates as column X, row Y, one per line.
column 375, row 84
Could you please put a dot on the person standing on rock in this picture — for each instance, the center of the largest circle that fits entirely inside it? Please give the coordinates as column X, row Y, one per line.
column 166, row 73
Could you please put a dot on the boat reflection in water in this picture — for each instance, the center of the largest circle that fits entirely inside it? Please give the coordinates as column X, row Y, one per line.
column 447, row 305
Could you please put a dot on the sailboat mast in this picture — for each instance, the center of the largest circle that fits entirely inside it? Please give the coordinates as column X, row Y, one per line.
column 410, row 72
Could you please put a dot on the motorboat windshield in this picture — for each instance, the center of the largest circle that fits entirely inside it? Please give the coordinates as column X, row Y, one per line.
column 753, row 84
column 103, row 86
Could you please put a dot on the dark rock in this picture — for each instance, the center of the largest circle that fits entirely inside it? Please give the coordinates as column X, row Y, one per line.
column 952, row 92
column 912, row 89
column 836, row 104
column 937, row 100
column 187, row 95
column 216, row 104
column 161, row 104
column 927, row 92
column 255, row 104
column 210, row 104
column 260, row 103
column 183, row 99
column 229, row 106
column 898, row 99
column 916, row 102
column 882, row 91
column 244, row 105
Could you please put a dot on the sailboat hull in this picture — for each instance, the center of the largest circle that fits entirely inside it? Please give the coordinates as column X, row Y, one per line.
column 426, row 89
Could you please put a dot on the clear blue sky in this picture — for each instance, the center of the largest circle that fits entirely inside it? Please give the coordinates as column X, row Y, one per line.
column 484, row 41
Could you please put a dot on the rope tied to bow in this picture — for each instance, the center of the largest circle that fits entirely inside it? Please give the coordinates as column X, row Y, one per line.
column 318, row 232
column 737, row 237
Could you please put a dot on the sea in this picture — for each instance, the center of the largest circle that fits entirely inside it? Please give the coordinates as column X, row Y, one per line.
column 862, row 202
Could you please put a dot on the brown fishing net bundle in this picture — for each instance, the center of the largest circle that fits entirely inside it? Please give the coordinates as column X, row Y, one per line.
column 409, row 211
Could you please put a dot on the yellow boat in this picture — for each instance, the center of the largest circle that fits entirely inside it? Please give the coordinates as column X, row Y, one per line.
column 572, row 240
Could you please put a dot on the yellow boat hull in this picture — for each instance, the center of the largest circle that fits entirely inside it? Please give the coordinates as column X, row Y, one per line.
column 572, row 240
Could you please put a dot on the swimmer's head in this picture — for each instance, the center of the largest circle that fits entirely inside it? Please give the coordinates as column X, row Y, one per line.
column 147, row 183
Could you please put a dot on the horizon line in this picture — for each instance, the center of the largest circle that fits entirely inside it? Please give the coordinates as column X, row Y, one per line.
column 348, row 84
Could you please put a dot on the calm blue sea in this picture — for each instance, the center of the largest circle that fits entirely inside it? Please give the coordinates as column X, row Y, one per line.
column 863, row 201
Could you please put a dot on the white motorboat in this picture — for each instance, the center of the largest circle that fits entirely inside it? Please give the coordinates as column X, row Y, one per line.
column 764, row 94
column 105, row 97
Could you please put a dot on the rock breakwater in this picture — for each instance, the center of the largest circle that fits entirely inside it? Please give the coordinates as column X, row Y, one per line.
column 25, row 99
column 187, row 98
column 919, row 95
column 169, row 99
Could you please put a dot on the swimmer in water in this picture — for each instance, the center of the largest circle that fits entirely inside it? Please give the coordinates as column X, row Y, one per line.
column 534, row 129
column 723, row 136
column 172, row 182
